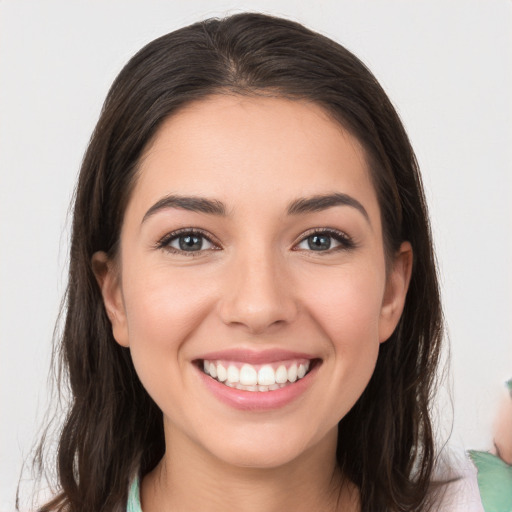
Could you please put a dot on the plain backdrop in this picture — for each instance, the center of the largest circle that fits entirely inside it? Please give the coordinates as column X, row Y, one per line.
column 446, row 67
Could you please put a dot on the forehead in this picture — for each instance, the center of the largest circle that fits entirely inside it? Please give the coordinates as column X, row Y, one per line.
column 244, row 150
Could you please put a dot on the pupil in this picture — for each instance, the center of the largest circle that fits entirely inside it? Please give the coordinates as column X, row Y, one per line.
column 319, row 242
column 190, row 243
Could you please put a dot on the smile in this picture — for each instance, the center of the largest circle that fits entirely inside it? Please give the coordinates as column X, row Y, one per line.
column 256, row 378
column 257, row 381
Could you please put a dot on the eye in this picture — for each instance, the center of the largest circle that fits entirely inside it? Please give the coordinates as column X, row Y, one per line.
column 186, row 241
column 325, row 240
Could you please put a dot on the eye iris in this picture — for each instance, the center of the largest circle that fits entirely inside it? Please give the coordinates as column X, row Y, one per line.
column 190, row 242
column 319, row 242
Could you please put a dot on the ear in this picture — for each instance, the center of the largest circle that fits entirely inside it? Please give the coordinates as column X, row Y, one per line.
column 397, row 284
column 107, row 276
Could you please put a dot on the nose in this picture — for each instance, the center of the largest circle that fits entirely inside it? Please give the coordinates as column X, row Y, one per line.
column 259, row 293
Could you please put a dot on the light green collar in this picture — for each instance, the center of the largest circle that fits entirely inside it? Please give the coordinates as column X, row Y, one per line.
column 134, row 497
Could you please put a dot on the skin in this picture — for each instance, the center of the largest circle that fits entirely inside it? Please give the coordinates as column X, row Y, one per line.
column 503, row 429
column 258, row 286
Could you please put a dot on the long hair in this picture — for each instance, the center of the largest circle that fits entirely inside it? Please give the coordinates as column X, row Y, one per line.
column 113, row 428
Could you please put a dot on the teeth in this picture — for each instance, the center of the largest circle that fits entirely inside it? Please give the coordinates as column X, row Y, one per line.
column 233, row 374
column 222, row 373
column 248, row 375
column 213, row 370
column 292, row 373
column 266, row 376
column 249, row 378
column 281, row 375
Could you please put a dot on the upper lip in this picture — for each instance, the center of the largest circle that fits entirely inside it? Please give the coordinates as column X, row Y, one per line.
column 255, row 356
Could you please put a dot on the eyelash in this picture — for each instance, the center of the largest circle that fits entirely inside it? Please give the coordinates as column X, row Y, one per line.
column 346, row 243
column 168, row 238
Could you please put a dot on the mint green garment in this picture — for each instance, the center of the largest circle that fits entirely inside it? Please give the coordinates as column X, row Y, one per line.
column 494, row 481
column 494, row 478
column 134, row 497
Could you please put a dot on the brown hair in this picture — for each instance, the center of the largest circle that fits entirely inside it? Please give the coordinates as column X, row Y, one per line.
column 113, row 428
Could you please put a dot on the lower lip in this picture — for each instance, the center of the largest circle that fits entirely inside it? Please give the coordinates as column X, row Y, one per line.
column 258, row 400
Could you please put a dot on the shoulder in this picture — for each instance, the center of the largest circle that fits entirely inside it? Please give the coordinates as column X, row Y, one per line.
column 461, row 494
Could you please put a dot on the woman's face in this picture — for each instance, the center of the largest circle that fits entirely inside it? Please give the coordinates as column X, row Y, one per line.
column 252, row 247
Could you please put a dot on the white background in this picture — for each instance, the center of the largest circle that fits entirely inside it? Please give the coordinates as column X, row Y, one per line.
column 445, row 65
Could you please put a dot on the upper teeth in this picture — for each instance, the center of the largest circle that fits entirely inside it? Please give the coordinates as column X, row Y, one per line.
column 261, row 375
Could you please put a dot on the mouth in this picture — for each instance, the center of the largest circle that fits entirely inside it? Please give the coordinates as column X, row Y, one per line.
column 257, row 377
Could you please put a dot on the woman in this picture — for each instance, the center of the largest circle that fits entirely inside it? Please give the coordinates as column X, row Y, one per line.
column 253, row 316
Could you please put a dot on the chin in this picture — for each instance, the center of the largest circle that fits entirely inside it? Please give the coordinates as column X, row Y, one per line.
column 268, row 449
column 254, row 457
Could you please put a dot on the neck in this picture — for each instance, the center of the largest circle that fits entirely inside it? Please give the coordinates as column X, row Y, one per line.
column 188, row 478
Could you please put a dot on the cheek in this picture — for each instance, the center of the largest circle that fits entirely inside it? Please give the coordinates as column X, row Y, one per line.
column 165, row 301
column 347, row 305
column 347, row 310
column 163, row 310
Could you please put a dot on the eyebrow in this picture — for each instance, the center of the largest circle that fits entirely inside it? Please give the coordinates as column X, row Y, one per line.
column 322, row 202
column 192, row 203
column 299, row 206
